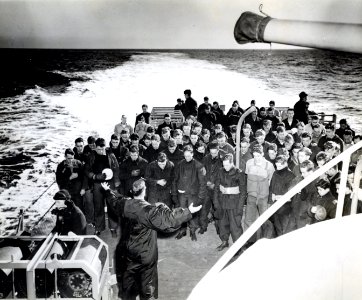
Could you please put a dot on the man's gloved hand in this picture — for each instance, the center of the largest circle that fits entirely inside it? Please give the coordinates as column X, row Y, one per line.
column 73, row 176
column 105, row 186
column 161, row 182
column 135, row 173
column 210, row 185
column 193, row 209
column 100, row 177
column 222, row 189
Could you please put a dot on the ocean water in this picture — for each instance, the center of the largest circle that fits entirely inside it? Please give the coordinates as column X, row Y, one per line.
column 48, row 98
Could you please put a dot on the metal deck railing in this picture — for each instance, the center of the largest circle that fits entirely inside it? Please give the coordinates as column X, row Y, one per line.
column 343, row 157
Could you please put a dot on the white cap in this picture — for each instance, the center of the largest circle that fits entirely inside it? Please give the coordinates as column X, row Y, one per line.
column 109, row 173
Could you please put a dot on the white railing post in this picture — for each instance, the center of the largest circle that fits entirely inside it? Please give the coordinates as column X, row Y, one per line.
column 356, row 184
column 238, row 132
column 342, row 186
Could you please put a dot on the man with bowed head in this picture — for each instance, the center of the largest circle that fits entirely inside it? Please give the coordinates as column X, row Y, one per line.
column 132, row 169
column 190, row 187
column 99, row 160
column 69, row 176
column 190, row 105
column 259, row 174
column 301, row 109
column 229, row 199
column 159, row 177
column 69, row 217
column 118, row 128
column 137, row 253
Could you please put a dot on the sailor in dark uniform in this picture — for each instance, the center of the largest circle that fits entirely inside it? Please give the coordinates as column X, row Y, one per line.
column 69, row 216
column 137, row 254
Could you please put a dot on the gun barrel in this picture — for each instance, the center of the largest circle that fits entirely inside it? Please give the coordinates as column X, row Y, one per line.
column 345, row 37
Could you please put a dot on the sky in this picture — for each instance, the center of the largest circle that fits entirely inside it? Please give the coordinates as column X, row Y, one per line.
column 150, row 24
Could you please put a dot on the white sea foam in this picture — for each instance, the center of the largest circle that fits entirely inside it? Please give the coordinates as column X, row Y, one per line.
column 157, row 80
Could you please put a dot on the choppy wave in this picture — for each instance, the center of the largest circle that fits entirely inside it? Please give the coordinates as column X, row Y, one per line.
column 34, row 133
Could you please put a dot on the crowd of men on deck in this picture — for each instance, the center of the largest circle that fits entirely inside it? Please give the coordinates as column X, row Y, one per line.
column 194, row 162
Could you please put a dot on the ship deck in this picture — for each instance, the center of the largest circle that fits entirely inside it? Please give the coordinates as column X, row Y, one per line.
column 181, row 263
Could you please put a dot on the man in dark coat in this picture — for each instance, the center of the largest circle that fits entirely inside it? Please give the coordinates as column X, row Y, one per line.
column 280, row 184
column 166, row 123
column 124, row 140
column 120, row 152
column 290, row 121
column 190, row 187
column 307, row 195
column 99, row 160
column 219, row 113
column 173, row 153
column 270, row 116
column 144, row 114
column 229, row 198
column 212, row 163
column 323, row 207
column 190, row 105
column 343, row 126
column 233, row 115
column 253, row 104
column 135, row 141
column 245, row 153
column 137, row 254
column 207, row 118
column 91, row 145
column 307, row 142
column 260, row 139
column 69, row 216
column 254, row 121
column 330, row 136
column 180, row 106
column 301, row 109
column 159, row 177
column 165, row 136
column 69, row 176
column 151, row 153
column 132, row 169
column 204, row 105
column 269, row 134
column 79, row 150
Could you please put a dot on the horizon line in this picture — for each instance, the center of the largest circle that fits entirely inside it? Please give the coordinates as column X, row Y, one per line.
column 165, row 49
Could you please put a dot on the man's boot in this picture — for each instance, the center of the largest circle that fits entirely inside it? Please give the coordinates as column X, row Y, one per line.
column 193, row 236
column 223, row 245
column 180, row 234
column 202, row 230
